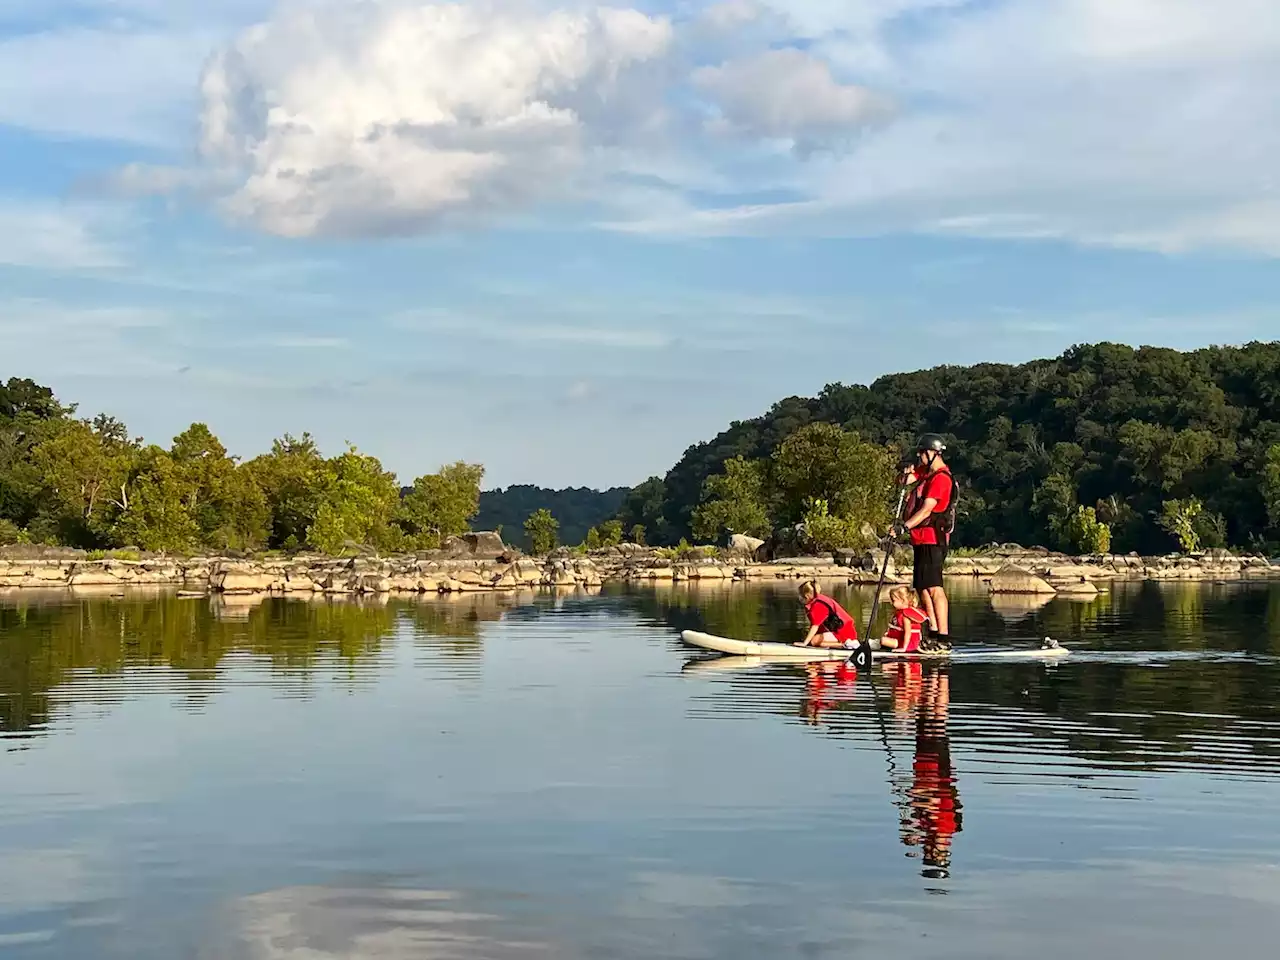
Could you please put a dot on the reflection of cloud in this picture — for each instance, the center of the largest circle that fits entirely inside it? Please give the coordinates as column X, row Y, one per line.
column 38, row 878
column 319, row 923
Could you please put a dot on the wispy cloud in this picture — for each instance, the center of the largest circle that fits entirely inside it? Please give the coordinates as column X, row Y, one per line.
column 311, row 343
column 481, row 325
column 58, row 236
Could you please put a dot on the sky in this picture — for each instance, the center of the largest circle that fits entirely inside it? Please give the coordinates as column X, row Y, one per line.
column 567, row 240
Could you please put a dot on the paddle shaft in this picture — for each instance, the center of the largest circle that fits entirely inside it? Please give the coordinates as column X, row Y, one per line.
column 884, row 565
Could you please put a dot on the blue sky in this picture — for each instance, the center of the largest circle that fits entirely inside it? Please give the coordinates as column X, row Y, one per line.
column 568, row 241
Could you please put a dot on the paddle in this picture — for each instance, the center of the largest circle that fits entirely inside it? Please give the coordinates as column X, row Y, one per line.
column 862, row 655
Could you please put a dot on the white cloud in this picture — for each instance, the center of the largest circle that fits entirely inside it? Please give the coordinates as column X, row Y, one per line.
column 56, row 237
column 788, row 94
column 389, row 117
column 1138, row 123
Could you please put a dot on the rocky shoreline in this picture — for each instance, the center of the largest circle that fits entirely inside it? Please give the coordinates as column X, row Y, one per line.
column 480, row 562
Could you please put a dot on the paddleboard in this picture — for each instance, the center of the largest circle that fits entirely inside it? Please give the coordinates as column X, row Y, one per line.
column 787, row 651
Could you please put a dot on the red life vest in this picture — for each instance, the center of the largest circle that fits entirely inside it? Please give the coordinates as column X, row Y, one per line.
column 905, row 628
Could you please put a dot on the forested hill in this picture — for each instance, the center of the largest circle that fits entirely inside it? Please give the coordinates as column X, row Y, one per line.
column 577, row 510
column 1152, row 439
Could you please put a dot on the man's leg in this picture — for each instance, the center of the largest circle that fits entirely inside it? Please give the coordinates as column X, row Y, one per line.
column 926, row 598
column 939, row 610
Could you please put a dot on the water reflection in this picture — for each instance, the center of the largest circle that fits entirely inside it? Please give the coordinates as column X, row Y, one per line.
column 309, row 780
column 379, row 923
column 928, row 798
column 78, row 646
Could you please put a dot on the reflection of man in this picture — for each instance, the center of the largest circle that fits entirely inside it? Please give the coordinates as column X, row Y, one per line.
column 931, row 811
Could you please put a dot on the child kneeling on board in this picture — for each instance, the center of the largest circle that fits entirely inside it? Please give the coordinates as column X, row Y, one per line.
column 829, row 623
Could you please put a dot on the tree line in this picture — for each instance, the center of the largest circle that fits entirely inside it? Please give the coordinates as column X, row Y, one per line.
column 1106, row 447
column 86, row 483
column 576, row 510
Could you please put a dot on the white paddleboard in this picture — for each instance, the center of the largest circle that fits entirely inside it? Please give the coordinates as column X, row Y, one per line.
column 787, row 651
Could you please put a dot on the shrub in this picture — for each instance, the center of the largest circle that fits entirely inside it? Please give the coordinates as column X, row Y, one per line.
column 1085, row 533
column 10, row 533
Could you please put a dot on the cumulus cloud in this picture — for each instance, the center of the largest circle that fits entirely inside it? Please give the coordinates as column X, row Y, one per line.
column 1148, row 123
column 385, row 118
column 787, row 94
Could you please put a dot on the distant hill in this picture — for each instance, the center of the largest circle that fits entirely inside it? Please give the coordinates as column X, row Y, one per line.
column 578, row 509
column 1151, row 439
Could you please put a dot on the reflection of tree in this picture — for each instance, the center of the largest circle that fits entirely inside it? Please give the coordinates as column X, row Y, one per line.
column 48, row 641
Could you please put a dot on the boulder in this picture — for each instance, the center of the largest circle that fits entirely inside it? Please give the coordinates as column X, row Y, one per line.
column 709, row 571
column 483, row 545
column 242, row 581
column 1075, row 588
column 1010, row 579
column 743, row 545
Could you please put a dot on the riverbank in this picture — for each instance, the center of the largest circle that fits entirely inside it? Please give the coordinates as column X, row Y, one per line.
column 480, row 562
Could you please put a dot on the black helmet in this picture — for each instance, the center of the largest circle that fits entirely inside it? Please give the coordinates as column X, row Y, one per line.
column 930, row 441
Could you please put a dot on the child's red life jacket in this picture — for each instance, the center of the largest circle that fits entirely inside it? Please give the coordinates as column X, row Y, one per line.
column 905, row 628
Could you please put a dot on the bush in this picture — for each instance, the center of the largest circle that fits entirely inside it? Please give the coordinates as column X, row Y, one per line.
column 1179, row 517
column 1085, row 533
column 542, row 531
column 10, row 533
column 828, row 533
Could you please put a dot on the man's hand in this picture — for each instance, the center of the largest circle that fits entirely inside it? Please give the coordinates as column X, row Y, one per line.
column 899, row 529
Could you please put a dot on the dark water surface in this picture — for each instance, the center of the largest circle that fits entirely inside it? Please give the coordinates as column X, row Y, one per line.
column 532, row 776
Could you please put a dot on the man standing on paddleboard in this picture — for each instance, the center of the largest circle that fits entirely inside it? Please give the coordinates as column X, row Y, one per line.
column 930, row 519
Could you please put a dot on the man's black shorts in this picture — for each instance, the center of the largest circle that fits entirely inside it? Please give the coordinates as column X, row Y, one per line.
column 929, row 558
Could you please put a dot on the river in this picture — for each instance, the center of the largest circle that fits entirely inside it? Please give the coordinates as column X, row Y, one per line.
column 502, row 776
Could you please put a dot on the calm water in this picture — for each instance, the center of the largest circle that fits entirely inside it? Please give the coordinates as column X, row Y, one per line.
column 558, row 777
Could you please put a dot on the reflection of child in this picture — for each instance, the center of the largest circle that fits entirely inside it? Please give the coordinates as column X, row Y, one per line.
column 827, row 683
column 905, row 625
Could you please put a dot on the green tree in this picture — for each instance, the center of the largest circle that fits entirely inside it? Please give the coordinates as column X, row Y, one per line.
column 610, row 533
column 441, row 504
column 83, row 467
column 592, row 539
column 542, row 531
column 1271, row 485
column 292, row 479
column 821, row 461
column 153, row 508
column 827, row 532
column 1178, row 517
column 1085, row 534
column 1164, row 457
column 733, row 501
column 644, row 506
column 229, row 508
column 358, row 500
column 638, row 535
